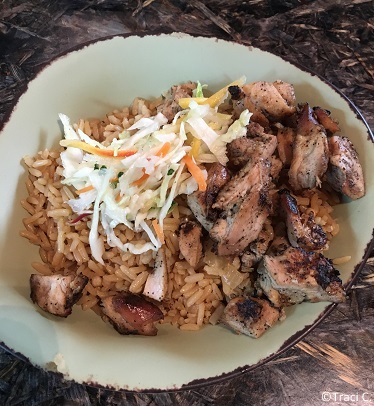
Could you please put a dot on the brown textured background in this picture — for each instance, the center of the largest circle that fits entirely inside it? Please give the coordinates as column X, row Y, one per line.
column 333, row 38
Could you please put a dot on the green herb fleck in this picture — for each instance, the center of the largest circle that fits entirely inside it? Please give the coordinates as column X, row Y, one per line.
column 170, row 172
column 120, row 174
column 96, row 166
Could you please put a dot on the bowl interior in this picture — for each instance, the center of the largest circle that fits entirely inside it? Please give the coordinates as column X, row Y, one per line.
column 90, row 82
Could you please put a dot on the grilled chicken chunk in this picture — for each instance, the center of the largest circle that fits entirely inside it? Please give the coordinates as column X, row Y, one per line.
column 285, row 137
column 240, row 102
column 278, row 246
column 197, row 203
column 245, row 206
column 218, row 176
column 256, row 249
column 302, row 229
column 258, row 115
column 324, row 118
column 275, row 100
column 255, row 145
column 345, row 172
column 156, row 284
column 276, row 167
column 131, row 314
column 241, row 184
column 295, row 275
column 56, row 294
column 201, row 202
column 310, row 152
column 238, row 227
column 287, row 91
column 171, row 107
column 249, row 316
column 190, row 242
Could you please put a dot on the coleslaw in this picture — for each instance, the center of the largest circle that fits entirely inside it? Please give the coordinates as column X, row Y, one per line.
column 135, row 180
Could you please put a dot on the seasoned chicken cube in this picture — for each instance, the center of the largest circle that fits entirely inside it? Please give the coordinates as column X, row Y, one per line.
column 156, row 284
column 246, row 205
column 240, row 102
column 296, row 275
column 255, row 145
column 345, row 172
column 218, row 176
column 170, row 107
column 276, row 100
column 287, row 91
column 190, row 242
column 131, row 314
column 256, row 249
column 249, row 316
column 56, row 294
column 253, row 173
column 276, row 167
column 197, row 203
column 310, row 152
column 323, row 116
column 285, row 137
column 302, row 229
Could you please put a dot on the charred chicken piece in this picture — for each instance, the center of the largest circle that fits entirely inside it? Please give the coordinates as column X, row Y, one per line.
column 256, row 249
column 278, row 246
column 190, row 242
column 296, row 275
column 287, row 91
column 242, row 182
column 285, row 137
column 241, row 225
column 218, row 176
column 245, row 205
column 345, row 172
column 56, row 294
column 324, row 118
column 276, row 167
column 131, row 314
column 275, row 100
column 302, row 229
column 201, row 202
column 236, row 93
column 310, row 152
column 255, row 145
column 171, row 107
column 249, row 316
column 240, row 102
column 197, row 203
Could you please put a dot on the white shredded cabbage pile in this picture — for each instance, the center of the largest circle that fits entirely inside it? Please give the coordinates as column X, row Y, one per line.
column 135, row 179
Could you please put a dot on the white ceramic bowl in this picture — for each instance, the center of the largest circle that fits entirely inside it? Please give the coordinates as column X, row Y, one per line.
column 90, row 82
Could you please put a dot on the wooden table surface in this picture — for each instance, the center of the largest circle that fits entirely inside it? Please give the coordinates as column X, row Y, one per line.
column 334, row 363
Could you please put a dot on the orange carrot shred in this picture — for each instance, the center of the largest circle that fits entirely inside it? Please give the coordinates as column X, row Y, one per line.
column 163, row 150
column 196, row 172
column 160, row 153
column 142, row 179
column 109, row 153
column 84, row 189
column 158, row 231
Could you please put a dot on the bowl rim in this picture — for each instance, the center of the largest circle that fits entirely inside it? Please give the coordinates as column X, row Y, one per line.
column 295, row 338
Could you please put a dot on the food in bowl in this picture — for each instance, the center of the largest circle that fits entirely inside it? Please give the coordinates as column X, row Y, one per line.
column 190, row 210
